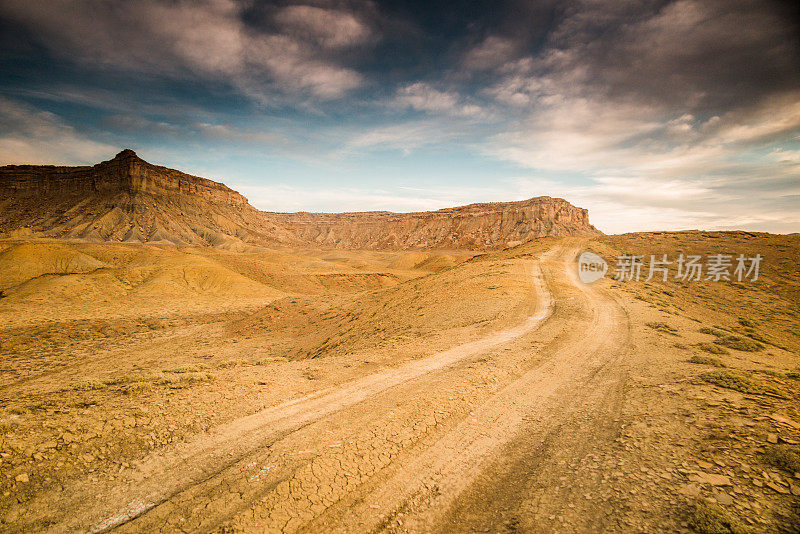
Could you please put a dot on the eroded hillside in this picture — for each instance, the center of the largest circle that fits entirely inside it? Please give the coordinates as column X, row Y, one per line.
column 129, row 200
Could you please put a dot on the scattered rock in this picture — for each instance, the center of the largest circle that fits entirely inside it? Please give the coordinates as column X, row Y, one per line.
column 690, row 490
column 710, row 478
column 772, row 438
column 22, row 477
column 724, row 499
column 783, row 419
column 775, row 487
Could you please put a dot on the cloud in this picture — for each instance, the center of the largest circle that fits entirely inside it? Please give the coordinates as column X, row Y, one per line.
column 31, row 136
column 202, row 39
column 686, row 115
column 694, row 54
column 327, row 27
column 423, row 97
column 403, row 137
column 289, row 198
column 493, row 52
column 674, row 113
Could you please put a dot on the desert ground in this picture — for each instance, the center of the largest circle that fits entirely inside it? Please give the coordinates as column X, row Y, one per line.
column 163, row 388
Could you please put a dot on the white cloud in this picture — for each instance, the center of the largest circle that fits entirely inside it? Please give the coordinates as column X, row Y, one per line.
column 204, row 38
column 288, row 198
column 423, row 97
column 31, row 136
column 328, row 27
column 404, row 137
column 493, row 52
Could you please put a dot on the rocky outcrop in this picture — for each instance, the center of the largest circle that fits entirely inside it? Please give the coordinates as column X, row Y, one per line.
column 125, row 173
column 127, row 199
column 490, row 225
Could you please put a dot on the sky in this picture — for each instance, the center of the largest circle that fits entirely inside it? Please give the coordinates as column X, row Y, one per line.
column 653, row 115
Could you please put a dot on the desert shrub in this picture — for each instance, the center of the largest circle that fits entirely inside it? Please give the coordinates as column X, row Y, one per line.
column 663, row 327
column 312, row 374
column 706, row 360
column 269, row 359
column 712, row 331
column 784, row 457
column 87, row 385
column 737, row 381
column 756, row 336
column 185, row 369
column 230, row 363
column 182, row 380
column 793, row 374
column 739, row 343
column 135, row 388
column 708, row 518
column 712, row 348
column 125, row 379
column 746, row 322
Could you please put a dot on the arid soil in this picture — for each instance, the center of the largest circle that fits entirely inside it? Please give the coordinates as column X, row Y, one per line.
column 161, row 388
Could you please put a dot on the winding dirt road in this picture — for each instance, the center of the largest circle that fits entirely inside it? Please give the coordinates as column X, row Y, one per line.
column 478, row 437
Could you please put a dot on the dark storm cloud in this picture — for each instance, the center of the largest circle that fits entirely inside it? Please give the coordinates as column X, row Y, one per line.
column 709, row 54
column 202, row 39
column 706, row 55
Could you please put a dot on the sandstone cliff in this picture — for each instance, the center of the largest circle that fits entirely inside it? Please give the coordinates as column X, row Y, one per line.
column 127, row 199
column 477, row 226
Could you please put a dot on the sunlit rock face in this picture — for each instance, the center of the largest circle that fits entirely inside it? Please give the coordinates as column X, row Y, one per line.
column 127, row 199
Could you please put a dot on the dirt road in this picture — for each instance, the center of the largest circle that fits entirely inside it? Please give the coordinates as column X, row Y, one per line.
column 462, row 439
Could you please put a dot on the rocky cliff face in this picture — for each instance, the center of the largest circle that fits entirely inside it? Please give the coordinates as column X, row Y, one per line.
column 125, row 173
column 125, row 199
column 477, row 226
column 128, row 199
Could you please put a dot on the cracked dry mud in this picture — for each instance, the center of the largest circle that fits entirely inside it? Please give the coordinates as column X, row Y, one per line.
column 555, row 418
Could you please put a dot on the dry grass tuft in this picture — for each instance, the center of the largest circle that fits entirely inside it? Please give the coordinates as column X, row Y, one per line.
column 87, row 385
column 709, row 518
column 231, row 363
column 712, row 331
column 182, row 380
column 186, row 369
column 712, row 348
column 706, row 360
column 738, row 381
column 136, row 388
column 740, row 343
column 663, row 327
column 784, row 457
column 269, row 359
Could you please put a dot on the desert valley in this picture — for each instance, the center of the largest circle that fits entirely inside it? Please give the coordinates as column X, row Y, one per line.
column 176, row 360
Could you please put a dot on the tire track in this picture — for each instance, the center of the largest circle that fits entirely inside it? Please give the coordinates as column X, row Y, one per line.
column 214, row 459
column 422, row 490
